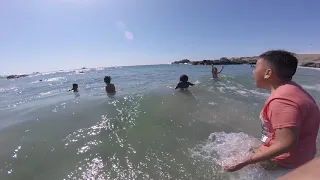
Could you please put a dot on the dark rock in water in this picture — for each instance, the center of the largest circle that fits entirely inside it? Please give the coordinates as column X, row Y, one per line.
column 183, row 61
column 16, row 76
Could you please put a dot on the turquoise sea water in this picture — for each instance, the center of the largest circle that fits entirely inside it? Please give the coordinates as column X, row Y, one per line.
column 147, row 130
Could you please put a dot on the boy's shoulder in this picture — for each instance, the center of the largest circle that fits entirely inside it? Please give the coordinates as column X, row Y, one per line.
column 290, row 90
column 293, row 93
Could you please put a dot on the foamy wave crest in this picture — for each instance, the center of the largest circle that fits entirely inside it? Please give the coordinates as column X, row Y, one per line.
column 238, row 89
column 55, row 79
column 315, row 87
column 197, row 82
column 259, row 93
column 318, row 69
column 3, row 90
column 228, row 148
column 99, row 69
column 43, row 73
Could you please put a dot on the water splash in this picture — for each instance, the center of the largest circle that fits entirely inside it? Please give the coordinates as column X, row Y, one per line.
column 228, row 148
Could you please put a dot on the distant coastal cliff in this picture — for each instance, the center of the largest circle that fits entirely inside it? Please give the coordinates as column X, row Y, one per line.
column 305, row 60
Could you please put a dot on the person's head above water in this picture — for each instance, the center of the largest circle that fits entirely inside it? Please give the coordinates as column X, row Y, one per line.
column 74, row 87
column 107, row 79
column 184, row 78
column 274, row 67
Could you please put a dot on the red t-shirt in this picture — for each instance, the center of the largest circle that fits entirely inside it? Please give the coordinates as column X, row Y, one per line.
column 291, row 106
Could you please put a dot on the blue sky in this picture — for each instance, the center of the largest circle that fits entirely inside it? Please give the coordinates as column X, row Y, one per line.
column 45, row 35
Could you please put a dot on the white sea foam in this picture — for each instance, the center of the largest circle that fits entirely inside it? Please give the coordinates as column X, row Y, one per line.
column 55, row 79
column 2, row 90
column 228, row 148
column 243, row 91
column 318, row 69
column 197, row 82
column 212, row 103
column 259, row 93
column 221, row 89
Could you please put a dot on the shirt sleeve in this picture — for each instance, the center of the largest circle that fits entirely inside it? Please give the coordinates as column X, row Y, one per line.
column 283, row 113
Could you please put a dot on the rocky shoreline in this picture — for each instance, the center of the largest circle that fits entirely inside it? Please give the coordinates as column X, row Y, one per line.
column 221, row 61
column 17, row 76
column 305, row 60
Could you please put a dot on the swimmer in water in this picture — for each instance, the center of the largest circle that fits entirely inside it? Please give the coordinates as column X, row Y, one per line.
column 184, row 83
column 74, row 88
column 215, row 71
column 110, row 88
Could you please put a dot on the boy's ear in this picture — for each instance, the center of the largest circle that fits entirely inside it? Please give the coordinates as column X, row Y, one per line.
column 268, row 73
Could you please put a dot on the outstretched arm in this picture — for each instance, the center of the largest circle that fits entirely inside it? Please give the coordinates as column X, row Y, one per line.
column 285, row 120
column 178, row 85
column 221, row 69
column 191, row 84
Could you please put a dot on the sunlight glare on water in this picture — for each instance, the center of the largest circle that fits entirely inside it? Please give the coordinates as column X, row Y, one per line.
column 147, row 130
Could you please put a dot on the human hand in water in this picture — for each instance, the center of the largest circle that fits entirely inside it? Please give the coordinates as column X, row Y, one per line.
column 237, row 166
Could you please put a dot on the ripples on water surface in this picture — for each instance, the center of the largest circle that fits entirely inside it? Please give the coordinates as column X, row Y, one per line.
column 146, row 131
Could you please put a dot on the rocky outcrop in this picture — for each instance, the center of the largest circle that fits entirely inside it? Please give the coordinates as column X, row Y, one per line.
column 221, row 61
column 183, row 61
column 16, row 76
column 305, row 60
column 311, row 64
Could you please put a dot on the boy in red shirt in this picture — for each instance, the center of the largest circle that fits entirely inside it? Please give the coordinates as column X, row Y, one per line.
column 290, row 117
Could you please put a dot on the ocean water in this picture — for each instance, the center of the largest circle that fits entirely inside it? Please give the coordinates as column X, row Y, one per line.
column 147, row 130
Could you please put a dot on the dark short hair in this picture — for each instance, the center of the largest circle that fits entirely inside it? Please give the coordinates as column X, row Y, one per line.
column 74, row 85
column 184, row 78
column 107, row 79
column 284, row 63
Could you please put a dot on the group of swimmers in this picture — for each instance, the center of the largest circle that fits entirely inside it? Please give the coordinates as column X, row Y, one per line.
column 184, row 79
column 290, row 117
column 183, row 84
column 110, row 88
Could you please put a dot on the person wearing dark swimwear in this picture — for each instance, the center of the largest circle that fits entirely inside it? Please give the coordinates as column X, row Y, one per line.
column 74, row 88
column 184, row 83
column 215, row 71
column 110, row 88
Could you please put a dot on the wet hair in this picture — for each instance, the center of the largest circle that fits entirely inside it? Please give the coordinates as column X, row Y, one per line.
column 283, row 62
column 74, row 85
column 184, row 78
column 107, row 79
